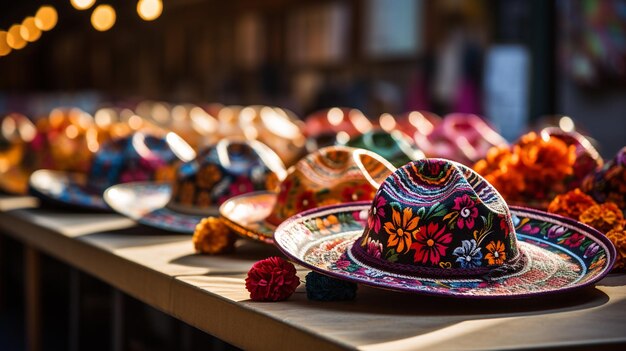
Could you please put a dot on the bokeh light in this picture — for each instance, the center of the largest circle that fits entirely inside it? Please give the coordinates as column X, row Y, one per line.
column 14, row 37
column 29, row 30
column 82, row 4
column 149, row 10
column 5, row 49
column 46, row 18
column 103, row 18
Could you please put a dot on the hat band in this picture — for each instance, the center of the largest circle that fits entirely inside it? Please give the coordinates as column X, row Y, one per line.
column 486, row 273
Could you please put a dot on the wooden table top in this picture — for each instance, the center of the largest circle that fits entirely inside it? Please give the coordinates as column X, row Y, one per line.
column 161, row 269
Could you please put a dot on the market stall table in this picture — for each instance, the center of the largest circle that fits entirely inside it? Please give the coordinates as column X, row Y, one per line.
column 208, row 292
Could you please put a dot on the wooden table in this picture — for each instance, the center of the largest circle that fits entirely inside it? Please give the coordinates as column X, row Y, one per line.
column 208, row 292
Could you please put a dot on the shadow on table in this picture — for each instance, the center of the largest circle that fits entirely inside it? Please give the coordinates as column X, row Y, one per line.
column 135, row 236
column 246, row 253
column 614, row 279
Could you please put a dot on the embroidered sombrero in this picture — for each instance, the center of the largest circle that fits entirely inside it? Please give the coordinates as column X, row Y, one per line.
column 16, row 160
column 231, row 167
column 395, row 146
column 437, row 227
column 334, row 174
column 138, row 157
column 278, row 128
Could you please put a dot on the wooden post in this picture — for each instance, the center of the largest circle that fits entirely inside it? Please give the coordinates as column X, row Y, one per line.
column 32, row 308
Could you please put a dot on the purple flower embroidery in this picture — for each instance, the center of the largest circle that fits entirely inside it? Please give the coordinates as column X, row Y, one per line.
column 467, row 211
column 377, row 213
column 374, row 248
column 556, row 232
column 468, row 254
column 592, row 250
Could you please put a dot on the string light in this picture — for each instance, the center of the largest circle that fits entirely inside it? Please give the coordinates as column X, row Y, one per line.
column 29, row 30
column 103, row 17
column 5, row 49
column 46, row 18
column 149, row 10
column 14, row 38
column 82, row 4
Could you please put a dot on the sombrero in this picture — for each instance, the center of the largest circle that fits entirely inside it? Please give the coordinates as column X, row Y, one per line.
column 334, row 174
column 231, row 167
column 138, row 157
column 324, row 126
column 436, row 227
column 395, row 146
column 16, row 132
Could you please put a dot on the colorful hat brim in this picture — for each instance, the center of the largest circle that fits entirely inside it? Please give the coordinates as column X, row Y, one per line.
column 65, row 188
column 554, row 263
column 246, row 215
column 146, row 203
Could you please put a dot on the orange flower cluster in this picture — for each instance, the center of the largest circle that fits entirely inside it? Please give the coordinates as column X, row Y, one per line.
column 604, row 217
column 607, row 218
column 618, row 238
column 212, row 236
column 530, row 172
column 571, row 204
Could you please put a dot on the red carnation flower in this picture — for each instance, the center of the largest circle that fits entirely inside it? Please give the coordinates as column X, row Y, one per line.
column 272, row 279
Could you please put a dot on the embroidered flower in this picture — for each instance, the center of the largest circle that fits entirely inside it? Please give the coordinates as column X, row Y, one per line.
column 591, row 250
column 272, row 279
column 357, row 192
column 208, row 176
column 401, row 229
column 430, row 243
column 328, row 225
column 374, row 248
column 467, row 211
column 305, row 201
column 574, row 240
column 241, row 185
column 555, row 232
column 496, row 254
column 469, row 255
column 376, row 214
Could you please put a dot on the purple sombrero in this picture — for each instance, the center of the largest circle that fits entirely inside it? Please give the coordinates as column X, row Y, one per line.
column 437, row 227
column 138, row 157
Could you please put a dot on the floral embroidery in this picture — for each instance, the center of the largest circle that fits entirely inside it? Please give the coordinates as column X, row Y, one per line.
column 469, row 255
column 574, row 240
column 376, row 214
column 401, row 229
column 467, row 211
column 374, row 248
column 496, row 254
column 556, row 232
column 305, row 201
column 328, row 225
column 430, row 243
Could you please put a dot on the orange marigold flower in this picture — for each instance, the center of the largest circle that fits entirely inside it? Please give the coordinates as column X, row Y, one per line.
column 547, row 161
column 328, row 225
column 212, row 236
column 497, row 158
column 496, row 254
column 618, row 238
column 571, row 204
column 401, row 229
column 603, row 217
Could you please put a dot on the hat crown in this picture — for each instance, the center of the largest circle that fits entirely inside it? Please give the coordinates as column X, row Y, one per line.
column 435, row 216
column 133, row 158
column 231, row 167
column 331, row 175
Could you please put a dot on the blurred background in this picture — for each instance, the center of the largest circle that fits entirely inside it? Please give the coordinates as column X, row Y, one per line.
column 512, row 61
